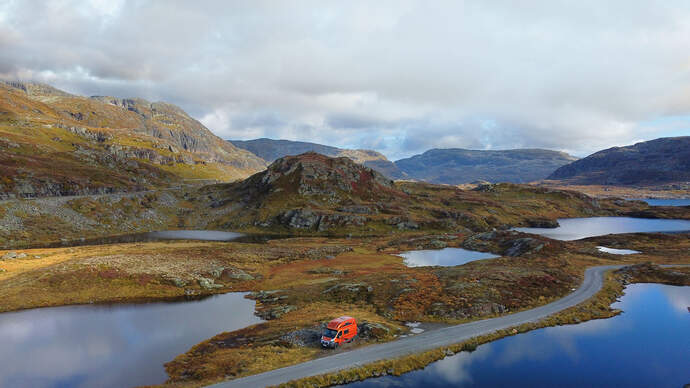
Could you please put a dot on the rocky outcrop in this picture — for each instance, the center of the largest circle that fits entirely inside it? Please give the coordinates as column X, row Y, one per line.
column 307, row 337
column 316, row 174
column 13, row 255
column 521, row 246
column 542, row 223
column 373, row 331
column 655, row 162
column 308, row 219
column 508, row 243
column 652, row 273
column 348, row 292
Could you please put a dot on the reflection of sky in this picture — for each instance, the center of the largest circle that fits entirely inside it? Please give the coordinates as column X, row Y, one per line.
column 110, row 346
column 647, row 345
column 446, row 257
column 679, row 298
column 209, row 235
column 618, row 251
column 577, row 228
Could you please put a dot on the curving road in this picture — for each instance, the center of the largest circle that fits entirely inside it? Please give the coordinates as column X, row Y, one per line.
column 422, row 342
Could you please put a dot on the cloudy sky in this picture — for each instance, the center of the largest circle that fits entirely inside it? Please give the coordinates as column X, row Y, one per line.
column 396, row 76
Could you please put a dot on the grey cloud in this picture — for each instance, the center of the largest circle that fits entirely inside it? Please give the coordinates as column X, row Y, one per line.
column 399, row 76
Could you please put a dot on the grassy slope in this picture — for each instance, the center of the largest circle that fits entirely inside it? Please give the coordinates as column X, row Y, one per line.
column 38, row 148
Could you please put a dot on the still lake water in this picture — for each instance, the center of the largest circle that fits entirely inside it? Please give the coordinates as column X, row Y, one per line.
column 667, row 202
column 446, row 257
column 646, row 346
column 110, row 346
column 198, row 235
column 577, row 228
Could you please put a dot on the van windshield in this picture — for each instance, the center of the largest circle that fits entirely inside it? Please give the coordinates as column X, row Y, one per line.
column 330, row 333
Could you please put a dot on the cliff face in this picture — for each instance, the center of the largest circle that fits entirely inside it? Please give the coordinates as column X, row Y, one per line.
column 270, row 150
column 55, row 143
column 166, row 121
column 456, row 166
column 660, row 161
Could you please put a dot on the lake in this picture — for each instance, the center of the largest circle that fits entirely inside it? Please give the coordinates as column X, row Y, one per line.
column 646, row 346
column 577, row 228
column 446, row 257
column 110, row 345
column 666, row 202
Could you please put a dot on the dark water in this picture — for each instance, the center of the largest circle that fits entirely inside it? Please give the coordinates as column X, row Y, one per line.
column 110, row 346
column 199, row 235
column 577, row 228
column 646, row 346
column 446, row 257
column 667, row 202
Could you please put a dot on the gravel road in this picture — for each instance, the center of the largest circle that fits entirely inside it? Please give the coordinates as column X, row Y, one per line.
column 428, row 340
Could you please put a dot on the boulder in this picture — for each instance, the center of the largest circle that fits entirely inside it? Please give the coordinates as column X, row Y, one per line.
column 235, row 274
column 275, row 312
column 13, row 255
column 373, row 331
column 208, row 284
column 542, row 223
column 437, row 244
column 309, row 337
column 521, row 246
column 299, row 218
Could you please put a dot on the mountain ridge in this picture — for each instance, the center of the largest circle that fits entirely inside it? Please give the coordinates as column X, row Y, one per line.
column 458, row 165
column 653, row 162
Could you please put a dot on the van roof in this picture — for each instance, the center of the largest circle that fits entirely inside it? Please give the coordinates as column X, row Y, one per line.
column 340, row 320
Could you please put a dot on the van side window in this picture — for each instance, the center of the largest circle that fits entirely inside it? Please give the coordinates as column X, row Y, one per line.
column 348, row 324
column 347, row 331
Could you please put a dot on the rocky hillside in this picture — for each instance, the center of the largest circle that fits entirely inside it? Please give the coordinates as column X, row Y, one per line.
column 660, row 161
column 312, row 193
column 456, row 165
column 270, row 150
column 55, row 143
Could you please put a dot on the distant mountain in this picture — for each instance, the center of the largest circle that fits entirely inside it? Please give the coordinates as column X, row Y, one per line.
column 660, row 161
column 270, row 150
column 56, row 143
column 456, row 165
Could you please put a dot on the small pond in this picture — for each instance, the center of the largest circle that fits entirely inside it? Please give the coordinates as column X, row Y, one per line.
column 646, row 346
column 615, row 251
column 198, row 235
column 666, row 201
column 113, row 345
column 447, row 257
column 577, row 228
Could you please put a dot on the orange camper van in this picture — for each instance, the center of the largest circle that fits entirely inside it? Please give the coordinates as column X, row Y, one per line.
column 338, row 331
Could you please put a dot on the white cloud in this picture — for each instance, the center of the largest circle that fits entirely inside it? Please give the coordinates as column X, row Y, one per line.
column 571, row 76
